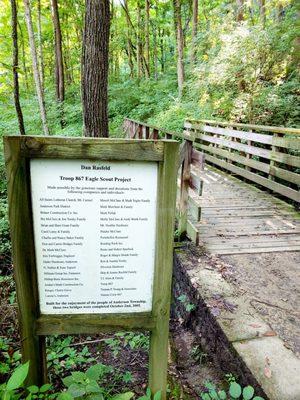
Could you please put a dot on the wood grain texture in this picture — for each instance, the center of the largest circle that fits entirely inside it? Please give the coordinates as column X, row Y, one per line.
column 93, row 324
column 158, row 358
column 90, row 148
column 263, row 128
column 21, row 228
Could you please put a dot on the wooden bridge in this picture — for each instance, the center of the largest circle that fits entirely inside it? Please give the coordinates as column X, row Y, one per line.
column 226, row 214
column 238, row 196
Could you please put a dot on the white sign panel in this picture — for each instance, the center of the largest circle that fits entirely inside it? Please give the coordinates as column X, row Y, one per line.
column 94, row 231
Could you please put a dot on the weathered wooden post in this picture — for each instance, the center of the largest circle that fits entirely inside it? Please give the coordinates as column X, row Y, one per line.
column 184, row 187
column 76, row 207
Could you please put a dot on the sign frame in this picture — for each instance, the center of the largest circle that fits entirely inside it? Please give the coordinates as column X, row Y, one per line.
column 34, row 326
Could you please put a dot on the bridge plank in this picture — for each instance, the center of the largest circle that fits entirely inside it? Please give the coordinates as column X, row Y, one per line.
column 276, row 187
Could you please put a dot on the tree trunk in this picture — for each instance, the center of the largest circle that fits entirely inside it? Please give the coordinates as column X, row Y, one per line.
column 23, row 56
column 139, row 42
column 194, row 31
column 40, row 45
column 262, row 12
column 147, row 36
column 240, row 10
column 36, row 73
column 59, row 63
column 15, row 65
column 95, row 68
column 179, row 40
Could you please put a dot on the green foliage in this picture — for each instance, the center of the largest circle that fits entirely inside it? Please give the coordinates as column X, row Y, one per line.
column 9, row 389
column 79, row 385
column 10, row 358
column 235, row 392
column 185, row 301
column 133, row 340
column 62, row 356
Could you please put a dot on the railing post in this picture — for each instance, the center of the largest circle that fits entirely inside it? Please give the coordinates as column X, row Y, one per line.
column 248, row 155
column 147, row 132
column 184, row 188
column 140, row 131
column 155, row 134
column 272, row 162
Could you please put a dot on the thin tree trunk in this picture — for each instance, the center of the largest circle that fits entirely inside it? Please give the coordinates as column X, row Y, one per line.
column 95, row 68
column 40, row 45
column 262, row 12
column 179, row 40
column 147, row 37
column 194, row 31
column 14, row 18
column 59, row 64
column 138, row 40
column 36, row 73
column 240, row 10
column 23, row 55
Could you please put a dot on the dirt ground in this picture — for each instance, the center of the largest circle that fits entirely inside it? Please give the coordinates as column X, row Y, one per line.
column 272, row 281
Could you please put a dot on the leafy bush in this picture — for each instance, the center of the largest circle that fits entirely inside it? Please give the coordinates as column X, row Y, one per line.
column 79, row 385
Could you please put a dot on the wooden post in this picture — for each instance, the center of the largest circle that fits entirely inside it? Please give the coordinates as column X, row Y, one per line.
column 184, row 188
column 147, row 132
column 140, row 131
column 32, row 346
column 272, row 162
column 155, row 134
column 158, row 359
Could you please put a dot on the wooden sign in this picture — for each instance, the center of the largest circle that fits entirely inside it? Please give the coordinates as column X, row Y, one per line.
column 92, row 225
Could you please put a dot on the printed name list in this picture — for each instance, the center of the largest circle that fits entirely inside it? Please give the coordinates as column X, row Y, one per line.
column 94, row 232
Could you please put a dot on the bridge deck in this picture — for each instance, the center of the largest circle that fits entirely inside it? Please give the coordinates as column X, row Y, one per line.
column 238, row 218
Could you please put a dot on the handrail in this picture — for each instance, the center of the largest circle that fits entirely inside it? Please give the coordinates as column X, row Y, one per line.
column 265, row 128
column 270, row 158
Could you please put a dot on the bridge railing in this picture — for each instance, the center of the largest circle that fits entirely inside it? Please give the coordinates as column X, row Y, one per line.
column 266, row 155
column 189, row 184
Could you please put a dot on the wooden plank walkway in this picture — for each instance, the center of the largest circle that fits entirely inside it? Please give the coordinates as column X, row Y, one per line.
column 238, row 218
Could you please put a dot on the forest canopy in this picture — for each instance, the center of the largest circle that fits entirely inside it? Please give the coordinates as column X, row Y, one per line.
column 168, row 60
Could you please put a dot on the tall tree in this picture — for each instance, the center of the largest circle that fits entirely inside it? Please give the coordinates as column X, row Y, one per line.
column 180, row 45
column 40, row 44
column 194, row 31
column 139, row 47
column 147, row 36
column 36, row 73
column 59, row 63
column 240, row 10
column 95, row 68
column 15, row 65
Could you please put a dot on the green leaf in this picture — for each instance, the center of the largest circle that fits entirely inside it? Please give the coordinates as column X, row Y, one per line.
column 123, row 396
column 248, row 392
column 18, row 377
column 93, row 387
column 68, row 380
column 95, row 371
column 222, row 395
column 94, row 396
column 76, row 390
column 33, row 389
column 79, row 376
column 235, row 390
column 45, row 387
column 205, row 396
column 64, row 396
column 157, row 395
column 258, row 398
